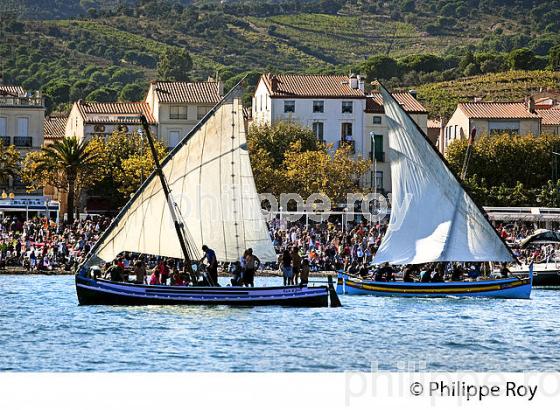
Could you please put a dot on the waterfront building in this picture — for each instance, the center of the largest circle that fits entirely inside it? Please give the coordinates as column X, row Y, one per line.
column 339, row 110
column 100, row 119
column 21, row 124
column 178, row 106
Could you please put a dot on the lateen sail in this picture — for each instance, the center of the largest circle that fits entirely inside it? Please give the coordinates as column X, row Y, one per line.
column 211, row 181
column 432, row 217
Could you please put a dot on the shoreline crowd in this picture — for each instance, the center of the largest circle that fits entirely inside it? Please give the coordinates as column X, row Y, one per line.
column 41, row 245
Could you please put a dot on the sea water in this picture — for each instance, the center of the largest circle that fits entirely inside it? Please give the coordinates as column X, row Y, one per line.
column 42, row 328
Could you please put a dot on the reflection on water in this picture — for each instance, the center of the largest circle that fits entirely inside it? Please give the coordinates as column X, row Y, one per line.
column 43, row 329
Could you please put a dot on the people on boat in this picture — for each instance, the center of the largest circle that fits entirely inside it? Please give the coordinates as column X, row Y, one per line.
column 408, row 273
column 116, row 272
column 504, row 271
column 164, row 272
column 252, row 262
column 236, row 273
column 154, row 277
column 304, row 273
column 139, row 272
column 387, row 271
column 426, row 275
column 296, row 263
column 286, row 267
column 212, row 262
column 474, row 272
column 457, row 273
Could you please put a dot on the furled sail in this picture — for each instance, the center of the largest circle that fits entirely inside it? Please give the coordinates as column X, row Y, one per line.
column 212, row 185
column 432, row 217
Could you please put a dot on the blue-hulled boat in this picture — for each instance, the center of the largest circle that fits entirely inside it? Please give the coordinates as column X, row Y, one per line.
column 103, row 292
column 433, row 220
column 510, row 288
column 203, row 192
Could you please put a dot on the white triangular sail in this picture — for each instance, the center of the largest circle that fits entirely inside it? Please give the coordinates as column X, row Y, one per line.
column 211, row 181
column 432, row 217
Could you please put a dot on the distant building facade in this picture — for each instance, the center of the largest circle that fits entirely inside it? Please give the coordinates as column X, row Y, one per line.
column 178, row 106
column 491, row 117
column 91, row 119
column 21, row 124
column 338, row 110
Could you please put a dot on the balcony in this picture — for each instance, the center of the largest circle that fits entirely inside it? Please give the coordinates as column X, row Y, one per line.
column 5, row 141
column 26, row 142
column 10, row 101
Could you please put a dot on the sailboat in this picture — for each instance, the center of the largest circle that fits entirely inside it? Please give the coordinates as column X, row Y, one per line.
column 433, row 219
column 203, row 192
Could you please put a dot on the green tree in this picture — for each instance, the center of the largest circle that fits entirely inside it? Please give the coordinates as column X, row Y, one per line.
column 132, row 92
column 380, row 67
column 522, row 59
column 554, row 58
column 69, row 165
column 9, row 163
column 174, row 65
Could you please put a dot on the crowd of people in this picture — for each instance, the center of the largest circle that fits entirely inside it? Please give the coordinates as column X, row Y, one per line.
column 39, row 244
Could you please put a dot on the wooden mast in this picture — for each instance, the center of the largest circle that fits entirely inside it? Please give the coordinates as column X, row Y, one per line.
column 167, row 192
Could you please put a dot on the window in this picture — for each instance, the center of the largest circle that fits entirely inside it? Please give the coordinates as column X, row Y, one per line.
column 504, row 127
column 379, row 154
column 99, row 128
column 201, row 112
column 346, row 131
column 318, row 106
column 178, row 112
column 3, row 126
column 22, row 127
column 377, row 119
column 455, row 132
column 289, row 106
column 318, row 130
column 347, row 107
column 173, row 137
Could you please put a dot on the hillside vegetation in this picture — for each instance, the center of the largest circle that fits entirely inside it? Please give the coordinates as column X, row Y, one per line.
column 441, row 98
column 108, row 49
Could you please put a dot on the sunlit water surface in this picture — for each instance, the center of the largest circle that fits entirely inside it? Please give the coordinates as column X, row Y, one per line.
column 42, row 328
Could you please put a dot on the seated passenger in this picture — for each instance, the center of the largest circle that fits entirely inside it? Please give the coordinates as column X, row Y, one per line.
column 457, row 274
column 408, row 275
column 154, row 277
column 426, row 276
column 504, row 271
column 116, row 272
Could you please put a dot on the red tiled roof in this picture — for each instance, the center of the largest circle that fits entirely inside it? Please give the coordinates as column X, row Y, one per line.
column 116, row 112
column 55, row 127
column 550, row 116
column 14, row 90
column 309, row 86
column 207, row 92
column 374, row 103
column 497, row 110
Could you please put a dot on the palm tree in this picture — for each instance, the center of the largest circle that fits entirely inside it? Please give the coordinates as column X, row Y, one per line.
column 72, row 158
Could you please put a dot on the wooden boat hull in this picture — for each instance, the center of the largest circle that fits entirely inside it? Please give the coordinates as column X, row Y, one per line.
column 103, row 292
column 513, row 288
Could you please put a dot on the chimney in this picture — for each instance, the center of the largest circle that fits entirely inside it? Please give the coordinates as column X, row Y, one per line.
column 414, row 93
column 353, row 81
column 477, row 99
column 531, row 105
column 221, row 88
column 362, row 83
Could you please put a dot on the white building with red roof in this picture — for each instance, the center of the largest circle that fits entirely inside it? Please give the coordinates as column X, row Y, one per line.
column 178, row 106
column 338, row 109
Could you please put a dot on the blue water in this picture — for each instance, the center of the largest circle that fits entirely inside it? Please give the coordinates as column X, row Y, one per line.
column 42, row 328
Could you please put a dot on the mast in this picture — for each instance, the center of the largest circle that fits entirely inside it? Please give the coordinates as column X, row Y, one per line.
column 167, row 193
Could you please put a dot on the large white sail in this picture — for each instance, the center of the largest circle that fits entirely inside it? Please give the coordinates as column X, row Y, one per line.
column 432, row 217
column 211, row 181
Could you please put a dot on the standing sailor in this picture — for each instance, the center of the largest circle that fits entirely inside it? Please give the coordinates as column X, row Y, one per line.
column 210, row 257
